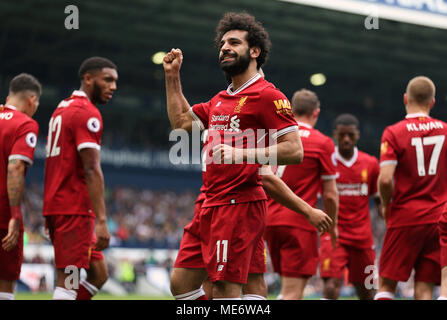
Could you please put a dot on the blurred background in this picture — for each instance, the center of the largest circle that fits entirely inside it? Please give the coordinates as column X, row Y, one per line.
column 324, row 47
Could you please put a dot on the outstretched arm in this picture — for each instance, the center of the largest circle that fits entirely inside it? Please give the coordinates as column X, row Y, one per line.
column 177, row 105
column 282, row 194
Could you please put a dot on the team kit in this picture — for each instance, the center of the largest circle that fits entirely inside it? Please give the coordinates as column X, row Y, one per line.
column 308, row 205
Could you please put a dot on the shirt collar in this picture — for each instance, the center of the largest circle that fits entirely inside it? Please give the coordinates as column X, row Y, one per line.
column 79, row 93
column 244, row 86
column 416, row 115
column 348, row 163
column 10, row 107
column 305, row 125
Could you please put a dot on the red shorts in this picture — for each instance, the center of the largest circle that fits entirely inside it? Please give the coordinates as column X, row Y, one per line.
column 334, row 261
column 294, row 251
column 442, row 227
column 73, row 238
column 412, row 247
column 11, row 261
column 190, row 253
column 230, row 235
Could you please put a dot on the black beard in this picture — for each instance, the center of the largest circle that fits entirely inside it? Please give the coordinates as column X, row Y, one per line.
column 237, row 67
column 96, row 94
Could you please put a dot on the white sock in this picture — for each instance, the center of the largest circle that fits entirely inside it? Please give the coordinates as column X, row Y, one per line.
column 227, row 299
column 89, row 287
column 6, row 296
column 384, row 294
column 279, row 297
column 253, row 297
column 64, row 294
column 325, row 299
column 442, row 298
column 192, row 295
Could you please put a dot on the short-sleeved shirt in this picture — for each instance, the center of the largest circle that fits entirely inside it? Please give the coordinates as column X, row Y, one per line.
column 417, row 146
column 305, row 179
column 356, row 183
column 257, row 111
column 18, row 136
column 75, row 124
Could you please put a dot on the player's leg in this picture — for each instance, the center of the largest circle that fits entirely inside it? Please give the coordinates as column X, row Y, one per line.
column 207, row 286
column 331, row 288
column 360, row 261
column 442, row 228
column 10, row 266
column 293, row 288
column 443, row 291
column 225, row 290
column 401, row 249
column 189, row 270
column 186, row 283
column 97, row 275
column 427, row 266
column 332, row 267
column 256, row 288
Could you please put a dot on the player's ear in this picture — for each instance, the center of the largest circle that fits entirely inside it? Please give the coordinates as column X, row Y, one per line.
column 255, row 52
column 432, row 103
column 405, row 99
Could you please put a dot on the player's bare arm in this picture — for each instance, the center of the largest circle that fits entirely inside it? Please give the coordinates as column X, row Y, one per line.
column 288, row 150
column 386, row 187
column 378, row 203
column 282, row 194
column 177, row 105
column 95, row 186
column 15, row 186
column 330, row 205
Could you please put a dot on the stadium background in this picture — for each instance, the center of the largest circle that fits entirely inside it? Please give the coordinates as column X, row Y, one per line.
column 149, row 200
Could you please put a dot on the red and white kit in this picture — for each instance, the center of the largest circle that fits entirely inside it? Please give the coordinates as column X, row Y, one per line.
column 291, row 239
column 75, row 124
column 356, row 183
column 233, row 215
column 18, row 134
column 417, row 147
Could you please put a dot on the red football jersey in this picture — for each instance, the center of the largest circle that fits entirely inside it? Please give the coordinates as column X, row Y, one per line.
column 417, row 146
column 356, row 182
column 75, row 124
column 18, row 136
column 305, row 179
column 252, row 110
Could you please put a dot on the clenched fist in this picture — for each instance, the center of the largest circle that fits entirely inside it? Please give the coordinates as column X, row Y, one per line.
column 172, row 61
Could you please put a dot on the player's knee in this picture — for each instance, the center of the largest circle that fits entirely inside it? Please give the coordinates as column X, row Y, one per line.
column 331, row 288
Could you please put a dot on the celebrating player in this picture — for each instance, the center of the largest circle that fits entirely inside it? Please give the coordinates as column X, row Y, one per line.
column 292, row 241
column 74, row 183
column 356, row 182
column 413, row 154
column 233, row 214
column 18, row 136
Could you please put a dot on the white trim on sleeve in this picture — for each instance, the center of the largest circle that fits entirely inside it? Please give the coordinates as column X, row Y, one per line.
column 284, row 131
column 197, row 119
column 387, row 162
column 329, row 177
column 86, row 145
column 21, row 157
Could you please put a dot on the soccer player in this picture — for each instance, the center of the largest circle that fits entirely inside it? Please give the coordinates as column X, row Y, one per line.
column 413, row 190
column 292, row 241
column 356, row 183
column 233, row 215
column 18, row 136
column 74, row 182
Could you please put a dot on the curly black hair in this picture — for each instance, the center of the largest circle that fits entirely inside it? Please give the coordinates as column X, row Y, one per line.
column 257, row 35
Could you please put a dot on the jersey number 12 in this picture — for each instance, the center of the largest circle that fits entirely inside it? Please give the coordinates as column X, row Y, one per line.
column 54, row 127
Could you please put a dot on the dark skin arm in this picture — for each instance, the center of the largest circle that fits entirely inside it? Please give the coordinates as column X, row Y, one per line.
column 95, row 186
column 15, row 186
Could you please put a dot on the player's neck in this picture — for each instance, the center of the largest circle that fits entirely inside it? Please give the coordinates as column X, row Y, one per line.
column 87, row 92
column 310, row 122
column 17, row 103
column 242, row 78
column 346, row 154
column 411, row 109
